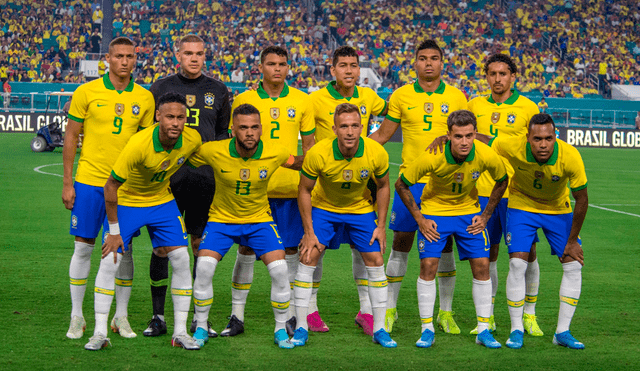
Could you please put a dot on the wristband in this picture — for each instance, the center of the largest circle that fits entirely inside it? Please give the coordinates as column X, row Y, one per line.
column 114, row 228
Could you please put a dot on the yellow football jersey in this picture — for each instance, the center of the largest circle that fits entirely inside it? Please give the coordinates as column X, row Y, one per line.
column 109, row 119
column 283, row 118
column 510, row 118
column 541, row 188
column 422, row 116
column 451, row 189
column 342, row 183
column 241, row 183
column 145, row 167
column 325, row 101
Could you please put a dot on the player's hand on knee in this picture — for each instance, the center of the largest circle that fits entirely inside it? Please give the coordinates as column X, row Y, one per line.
column 380, row 234
column 429, row 230
column 68, row 197
column 573, row 250
column 307, row 244
column 111, row 245
column 478, row 224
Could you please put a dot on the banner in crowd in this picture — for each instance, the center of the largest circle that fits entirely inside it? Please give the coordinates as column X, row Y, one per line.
column 24, row 122
column 600, row 138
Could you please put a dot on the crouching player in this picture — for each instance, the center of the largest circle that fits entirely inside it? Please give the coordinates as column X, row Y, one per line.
column 450, row 207
column 343, row 166
column 240, row 214
column 136, row 195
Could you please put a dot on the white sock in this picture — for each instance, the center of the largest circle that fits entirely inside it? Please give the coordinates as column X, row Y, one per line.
column 569, row 294
column 181, row 288
column 104, row 291
column 124, row 282
column 203, row 289
column 481, row 291
column 378, row 295
column 317, row 277
column 532, row 282
column 360, row 275
column 280, row 291
column 292, row 267
column 426, row 302
column 302, row 291
column 241, row 283
column 515, row 292
column 78, row 272
column 493, row 274
column 446, row 280
column 396, row 269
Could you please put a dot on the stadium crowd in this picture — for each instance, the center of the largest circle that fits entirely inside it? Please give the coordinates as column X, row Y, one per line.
column 558, row 43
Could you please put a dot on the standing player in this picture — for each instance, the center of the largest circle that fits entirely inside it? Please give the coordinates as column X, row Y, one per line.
column 137, row 194
column 505, row 113
column 422, row 109
column 240, row 214
column 109, row 111
column 346, row 70
column 289, row 114
column 208, row 112
column 343, row 167
column 450, row 207
column 543, row 166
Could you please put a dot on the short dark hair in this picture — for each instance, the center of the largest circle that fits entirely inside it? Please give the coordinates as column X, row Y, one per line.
column 429, row 44
column 171, row 97
column 190, row 38
column 461, row 118
column 344, row 51
column 499, row 57
column 122, row 40
column 541, row 119
column 245, row 109
column 344, row 108
column 273, row 49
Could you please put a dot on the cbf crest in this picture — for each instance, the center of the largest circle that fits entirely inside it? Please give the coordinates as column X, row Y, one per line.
column 135, row 109
column 428, row 107
column 181, row 160
column 191, row 100
column 364, row 173
column 475, row 175
column 495, row 117
column 459, row 177
column 347, row 175
column 291, row 112
column 209, row 98
column 119, row 109
column 444, row 108
column 263, row 172
column 274, row 112
column 511, row 118
column 245, row 174
column 363, row 110
column 555, row 178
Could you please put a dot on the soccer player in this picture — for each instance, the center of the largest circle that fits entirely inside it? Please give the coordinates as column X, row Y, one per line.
column 450, row 207
column 137, row 194
column 539, row 198
column 287, row 113
column 208, row 112
column 342, row 167
column 346, row 71
column 505, row 113
column 422, row 109
column 240, row 213
column 109, row 111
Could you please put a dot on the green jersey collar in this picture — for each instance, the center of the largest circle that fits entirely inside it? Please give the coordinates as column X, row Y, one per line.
column 551, row 161
column 337, row 155
column 157, row 146
column 109, row 85
column 334, row 93
column 452, row 160
column 234, row 152
column 512, row 99
column 263, row 94
column 439, row 90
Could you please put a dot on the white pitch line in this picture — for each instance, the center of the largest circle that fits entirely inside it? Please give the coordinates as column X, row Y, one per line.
column 37, row 170
column 393, row 163
column 627, row 205
column 614, row 211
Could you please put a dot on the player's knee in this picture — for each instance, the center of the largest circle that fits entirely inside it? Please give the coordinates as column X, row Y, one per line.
column 108, row 266
column 517, row 266
column 83, row 250
column 428, row 269
column 572, row 267
column 279, row 273
column 205, row 269
column 179, row 259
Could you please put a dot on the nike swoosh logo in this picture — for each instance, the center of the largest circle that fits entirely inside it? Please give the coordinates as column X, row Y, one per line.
column 224, row 171
column 101, row 105
column 327, row 175
column 330, row 113
column 186, row 237
column 440, row 176
column 410, row 108
column 480, row 116
column 487, row 248
column 519, row 168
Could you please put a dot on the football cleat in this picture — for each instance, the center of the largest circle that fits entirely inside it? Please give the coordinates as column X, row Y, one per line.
column 365, row 321
column 426, row 339
column 390, row 318
column 382, row 337
column 485, row 338
column 515, row 340
column 121, row 326
column 565, row 339
column 234, row 327
column 492, row 326
column 97, row 342
column 531, row 325
column 300, row 337
column 447, row 323
column 316, row 324
column 290, row 326
column 184, row 341
column 201, row 336
column 76, row 327
column 282, row 339
column 156, row 327
column 194, row 327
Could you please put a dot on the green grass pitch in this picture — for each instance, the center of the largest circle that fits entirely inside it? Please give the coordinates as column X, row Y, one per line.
column 35, row 305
